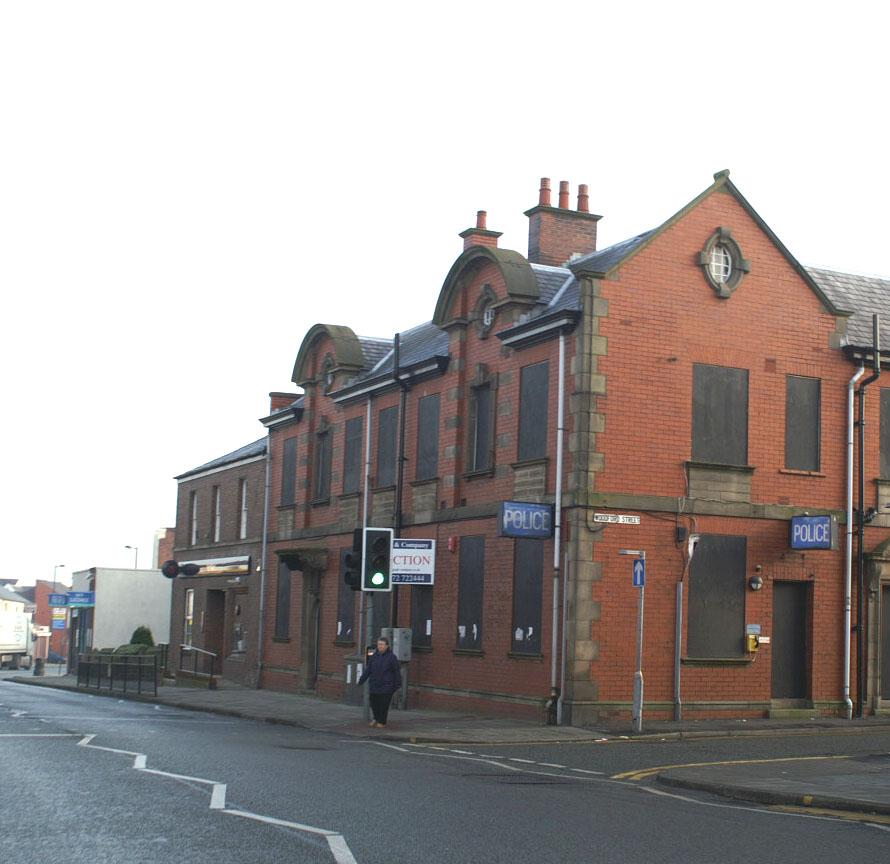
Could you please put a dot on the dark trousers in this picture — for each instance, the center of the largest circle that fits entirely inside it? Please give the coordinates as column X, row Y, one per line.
column 380, row 705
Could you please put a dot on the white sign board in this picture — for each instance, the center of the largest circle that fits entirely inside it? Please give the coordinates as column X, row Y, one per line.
column 413, row 562
column 616, row 518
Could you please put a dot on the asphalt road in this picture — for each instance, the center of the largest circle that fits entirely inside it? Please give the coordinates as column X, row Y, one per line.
column 256, row 792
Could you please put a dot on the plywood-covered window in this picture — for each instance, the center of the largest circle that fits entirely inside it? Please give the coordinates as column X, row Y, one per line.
column 528, row 593
column 282, row 602
column 421, row 616
column 387, row 422
column 427, row 437
column 352, row 455
column 470, row 593
column 719, row 414
column 322, row 466
column 289, row 472
column 345, row 605
column 533, row 390
column 716, row 603
column 802, row 413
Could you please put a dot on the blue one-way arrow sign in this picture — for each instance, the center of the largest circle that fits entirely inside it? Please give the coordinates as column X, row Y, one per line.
column 639, row 572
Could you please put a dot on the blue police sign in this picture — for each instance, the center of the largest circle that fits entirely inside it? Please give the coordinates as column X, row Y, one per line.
column 813, row 532
column 58, row 599
column 523, row 519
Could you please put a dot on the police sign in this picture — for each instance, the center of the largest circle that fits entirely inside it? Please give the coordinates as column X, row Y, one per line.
column 814, row 532
column 523, row 519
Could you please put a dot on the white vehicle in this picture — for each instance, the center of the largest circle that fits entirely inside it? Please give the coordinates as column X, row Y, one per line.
column 15, row 639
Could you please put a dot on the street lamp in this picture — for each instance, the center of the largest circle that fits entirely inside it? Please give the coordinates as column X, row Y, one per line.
column 136, row 556
column 56, row 569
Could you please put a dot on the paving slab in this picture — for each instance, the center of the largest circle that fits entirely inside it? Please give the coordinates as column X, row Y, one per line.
column 854, row 784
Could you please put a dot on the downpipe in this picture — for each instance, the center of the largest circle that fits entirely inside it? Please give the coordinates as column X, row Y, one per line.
column 848, row 549
column 554, row 703
column 263, row 562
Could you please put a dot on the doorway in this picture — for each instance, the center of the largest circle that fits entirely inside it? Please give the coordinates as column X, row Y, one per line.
column 214, row 624
column 885, row 643
column 789, row 641
column 309, row 647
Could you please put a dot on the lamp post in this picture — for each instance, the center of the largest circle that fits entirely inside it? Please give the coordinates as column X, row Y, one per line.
column 135, row 556
column 56, row 569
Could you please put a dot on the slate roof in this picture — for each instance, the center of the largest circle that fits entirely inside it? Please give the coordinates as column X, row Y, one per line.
column 415, row 345
column 373, row 350
column 6, row 593
column 257, row 448
column 604, row 260
column 863, row 295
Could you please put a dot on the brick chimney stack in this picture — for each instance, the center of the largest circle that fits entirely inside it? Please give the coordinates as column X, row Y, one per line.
column 557, row 234
column 480, row 235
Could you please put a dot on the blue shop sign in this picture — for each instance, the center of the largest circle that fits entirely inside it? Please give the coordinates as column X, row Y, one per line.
column 814, row 532
column 81, row 598
column 523, row 519
column 58, row 599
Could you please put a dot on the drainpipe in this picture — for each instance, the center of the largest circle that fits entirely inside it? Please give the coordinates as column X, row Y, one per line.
column 861, row 520
column 554, row 702
column 400, row 467
column 848, row 549
column 365, row 609
column 263, row 559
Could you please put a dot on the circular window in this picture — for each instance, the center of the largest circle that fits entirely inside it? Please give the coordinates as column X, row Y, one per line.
column 720, row 264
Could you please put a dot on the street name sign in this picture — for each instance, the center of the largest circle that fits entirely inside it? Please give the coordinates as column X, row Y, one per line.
column 616, row 518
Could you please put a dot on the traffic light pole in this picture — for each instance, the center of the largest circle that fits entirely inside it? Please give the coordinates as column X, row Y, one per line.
column 365, row 608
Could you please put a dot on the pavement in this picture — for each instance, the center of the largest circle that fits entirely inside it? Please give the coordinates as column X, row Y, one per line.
column 856, row 785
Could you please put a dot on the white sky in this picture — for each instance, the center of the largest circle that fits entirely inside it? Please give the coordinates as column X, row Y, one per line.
column 187, row 187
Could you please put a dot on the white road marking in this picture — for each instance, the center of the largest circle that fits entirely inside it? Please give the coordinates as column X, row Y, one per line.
column 526, row 761
column 389, row 746
column 464, row 752
column 336, row 842
column 38, row 735
column 587, row 771
column 19, row 713
column 550, row 765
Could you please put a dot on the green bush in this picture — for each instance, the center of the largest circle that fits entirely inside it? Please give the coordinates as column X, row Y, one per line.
column 142, row 636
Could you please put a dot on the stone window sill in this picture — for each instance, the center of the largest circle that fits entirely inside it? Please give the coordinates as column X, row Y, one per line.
column 390, row 487
column 794, row 472
column 469, row 652
column 424, row 481
column 422, row 649
column 321, row 502
column 341, row 644
column 482, row 474
column 518, row 655
column 530, row 463
column 721, row 466
column 718, row 661
column 284, row 640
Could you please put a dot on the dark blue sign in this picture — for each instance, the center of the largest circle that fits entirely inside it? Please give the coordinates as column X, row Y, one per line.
column 81, row 598
column 522, row 519
column 813, row 532
column 58, row 599
column 639, row 571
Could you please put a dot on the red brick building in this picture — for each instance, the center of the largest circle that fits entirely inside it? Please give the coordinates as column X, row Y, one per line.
column 693, row 379
column 219, row 525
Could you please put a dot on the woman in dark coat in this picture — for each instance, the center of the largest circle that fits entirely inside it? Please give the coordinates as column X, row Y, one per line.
column 385, row 676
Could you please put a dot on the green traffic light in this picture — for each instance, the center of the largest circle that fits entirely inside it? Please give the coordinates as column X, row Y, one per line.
column 377, row 578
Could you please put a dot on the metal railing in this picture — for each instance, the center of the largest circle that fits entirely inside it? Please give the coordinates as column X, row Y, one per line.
column 133, row 673
column 203, row 663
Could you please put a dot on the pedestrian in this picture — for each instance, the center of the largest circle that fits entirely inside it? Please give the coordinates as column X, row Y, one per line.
column 385, row 677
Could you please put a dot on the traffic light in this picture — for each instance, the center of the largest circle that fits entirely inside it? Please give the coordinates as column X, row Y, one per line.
column 376, row 560
column 171, row 569
column 351, row 562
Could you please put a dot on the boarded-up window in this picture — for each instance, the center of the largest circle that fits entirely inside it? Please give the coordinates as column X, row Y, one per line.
column 885, row 434
column 352, row 455
column 282, row 602
column 533, row 386
column 720, row 414
column 193, row 518
column 480, row 428
column 386, row 446
column 471, row 573
column 421, row 616
column 289, row 472
column 716, row 624
column 345, row 604
column 528, row 585
column 428, row 437
column 323, row 466
column 802, row 411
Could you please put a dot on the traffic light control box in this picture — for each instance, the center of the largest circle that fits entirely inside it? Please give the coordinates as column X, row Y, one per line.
column 400, row 641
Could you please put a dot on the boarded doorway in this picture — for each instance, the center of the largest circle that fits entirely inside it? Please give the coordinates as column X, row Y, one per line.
column 789, row 641
column 215, row 623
